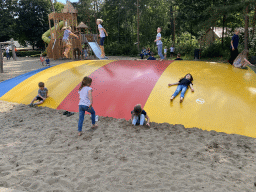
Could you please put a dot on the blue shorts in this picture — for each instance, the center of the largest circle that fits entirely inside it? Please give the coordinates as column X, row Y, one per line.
column 102, row 41
column 39, row 98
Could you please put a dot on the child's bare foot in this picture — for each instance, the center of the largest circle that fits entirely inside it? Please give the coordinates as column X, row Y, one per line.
column 181, row 99
column 94, row 126
column 80, row 133
column 172, row 98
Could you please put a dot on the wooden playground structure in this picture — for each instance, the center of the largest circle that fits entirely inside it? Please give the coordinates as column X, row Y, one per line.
column 68, row 17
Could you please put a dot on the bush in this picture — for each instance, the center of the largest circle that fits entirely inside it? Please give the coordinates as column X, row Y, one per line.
column 27, row 53
column 117, row 49
column 186, row 44
column 216, row 49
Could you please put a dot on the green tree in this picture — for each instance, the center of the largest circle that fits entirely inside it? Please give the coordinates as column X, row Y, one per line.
column 7, row 21
column 32, row 21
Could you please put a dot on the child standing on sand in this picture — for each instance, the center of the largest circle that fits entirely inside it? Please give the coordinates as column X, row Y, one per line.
column 42, row 95
column 182, row 86
column 159, row 44
column 103, row 34
column 85, row 103
column 42, row 59
column 139, row 115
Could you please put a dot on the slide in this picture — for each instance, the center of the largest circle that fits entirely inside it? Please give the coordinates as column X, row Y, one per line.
column 45, row 36
column 96, row 49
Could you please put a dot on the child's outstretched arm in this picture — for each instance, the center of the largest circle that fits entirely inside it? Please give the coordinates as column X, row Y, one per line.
column 173, row 84
column 74, row 35
column 90, row 97
column 147, row 120
column 191, row 86
column 248, row 62
column 132, row 116
column 105, row 31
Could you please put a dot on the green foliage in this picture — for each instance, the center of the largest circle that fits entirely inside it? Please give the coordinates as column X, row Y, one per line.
column 27, row 53
column 32, row 21
column 114, row 48
column 186, row 44
column 216, row 49
column 58, row 7
column 7, row 21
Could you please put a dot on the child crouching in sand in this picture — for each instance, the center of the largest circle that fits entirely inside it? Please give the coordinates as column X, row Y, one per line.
column 182, row 86
column 85, row 103
column 139, row 115
column 42, row 95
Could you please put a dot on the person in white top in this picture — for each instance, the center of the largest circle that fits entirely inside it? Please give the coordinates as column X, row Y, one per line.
column 85, row 103
column 159, row 44
column 165, row 51
column 7, row 51
column 102, row 35
column 172, row 49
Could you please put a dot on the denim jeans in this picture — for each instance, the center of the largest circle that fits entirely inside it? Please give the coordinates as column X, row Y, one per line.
column 8, row 56
column 182, row 88
column 82, row 109
column 138, row 121
column 160, row 50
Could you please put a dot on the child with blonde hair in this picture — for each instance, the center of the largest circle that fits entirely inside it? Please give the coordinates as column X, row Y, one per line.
column 159, row 43
column 102, row 35
column 241, row 60
column 65, row 40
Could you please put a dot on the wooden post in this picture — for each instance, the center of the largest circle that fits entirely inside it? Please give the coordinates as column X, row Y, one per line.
column 1, row 60
column 13, row 50
column 246, row 27
column 138, row 30
column 174, row 26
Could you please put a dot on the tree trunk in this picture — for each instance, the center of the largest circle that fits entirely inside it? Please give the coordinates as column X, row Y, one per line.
column 223, row 27
column 1, row 60
column 253, row 23
column 174, row 27
column 246, row 27
column 138, row 31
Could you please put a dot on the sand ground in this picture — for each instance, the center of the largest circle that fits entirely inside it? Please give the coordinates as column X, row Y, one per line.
column 40, row 151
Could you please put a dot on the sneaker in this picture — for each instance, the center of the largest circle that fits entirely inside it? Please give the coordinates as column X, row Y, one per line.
column 244, row 67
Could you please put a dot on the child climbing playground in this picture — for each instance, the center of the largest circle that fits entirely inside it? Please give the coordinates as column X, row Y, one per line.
column 103, row 34
column 85, row 103
column 42, row 95
column 66, row 41
column 182, row 86
column 139, row 115
column 159, row 43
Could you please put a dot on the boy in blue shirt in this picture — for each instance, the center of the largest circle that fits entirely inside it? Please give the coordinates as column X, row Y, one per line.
column 233, row 47
column 42, row 95
column 151, row 57
column 47, row 61
column 143, row 53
